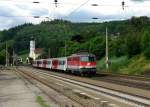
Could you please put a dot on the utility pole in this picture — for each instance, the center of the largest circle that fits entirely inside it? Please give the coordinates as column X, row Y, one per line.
column 107, row 60
column 65, row 49
column 6, row 55
column 49, row 52
column 13, row 58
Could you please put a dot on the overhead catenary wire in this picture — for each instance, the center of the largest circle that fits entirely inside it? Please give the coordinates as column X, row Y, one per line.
column 15, row 1
column 42, row 17
column 13, row 16
column 78, row 7
column 81, row 5
column 59, row 3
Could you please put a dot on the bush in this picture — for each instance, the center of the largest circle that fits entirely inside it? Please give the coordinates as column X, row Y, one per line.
column 145, row 43
column 147, row 53
column 2, row 58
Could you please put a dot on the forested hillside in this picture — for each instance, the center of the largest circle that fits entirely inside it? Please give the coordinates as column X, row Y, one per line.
column 126, row 38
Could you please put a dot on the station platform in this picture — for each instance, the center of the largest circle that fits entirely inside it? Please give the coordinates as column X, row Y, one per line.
column 14, row 92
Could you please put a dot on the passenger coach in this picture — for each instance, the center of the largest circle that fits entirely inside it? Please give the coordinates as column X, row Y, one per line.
column 80, row 63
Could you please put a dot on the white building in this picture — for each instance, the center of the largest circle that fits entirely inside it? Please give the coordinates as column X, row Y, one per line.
column 32, row 50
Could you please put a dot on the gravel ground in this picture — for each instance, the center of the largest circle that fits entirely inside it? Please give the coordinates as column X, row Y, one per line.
column 90, row 96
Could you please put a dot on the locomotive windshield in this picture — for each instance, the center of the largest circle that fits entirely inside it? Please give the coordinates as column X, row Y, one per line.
column 87, row 59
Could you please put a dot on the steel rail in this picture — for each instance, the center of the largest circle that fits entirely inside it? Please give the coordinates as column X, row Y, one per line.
column 136, row 77
column 125, row 81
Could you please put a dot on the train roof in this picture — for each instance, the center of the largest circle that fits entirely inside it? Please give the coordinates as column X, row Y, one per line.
column 61, row 58
column 83, row 54
column 51, row 59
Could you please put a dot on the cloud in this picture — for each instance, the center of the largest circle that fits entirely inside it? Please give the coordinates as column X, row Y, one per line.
column 138, row 0
column 13, row 14
column 69, row 9
column 86, row 16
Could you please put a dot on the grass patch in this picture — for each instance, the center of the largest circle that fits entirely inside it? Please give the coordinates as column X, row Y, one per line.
column 138, row 65
column 115, row 65
column 118, row 63
column 41, row 101
column 24, row 56
column 101, row 65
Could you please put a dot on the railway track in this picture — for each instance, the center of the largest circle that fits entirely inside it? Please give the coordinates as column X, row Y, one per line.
column 77, row 96
column 131, row 81
column 140, row 82
column 138, row 77
column 27, row 77
column 124, row 96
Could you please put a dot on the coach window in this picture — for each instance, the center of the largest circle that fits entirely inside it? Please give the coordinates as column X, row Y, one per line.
column 63, row 62
column 49, row 62
column 44, row 62
column 76, row 58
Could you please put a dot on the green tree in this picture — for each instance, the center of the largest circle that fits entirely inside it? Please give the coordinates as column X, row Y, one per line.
column 97, row 46
column 2, row 57
column 132, row 45
column 145, row 43
column 117, row 46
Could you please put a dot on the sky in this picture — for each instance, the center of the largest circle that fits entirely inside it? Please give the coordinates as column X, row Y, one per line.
column 17, row 12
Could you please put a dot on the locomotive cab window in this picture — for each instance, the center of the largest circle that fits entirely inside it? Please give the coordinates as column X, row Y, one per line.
column 87, row 59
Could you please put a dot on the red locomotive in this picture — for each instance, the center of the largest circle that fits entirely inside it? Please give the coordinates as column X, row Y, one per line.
column 80, row 63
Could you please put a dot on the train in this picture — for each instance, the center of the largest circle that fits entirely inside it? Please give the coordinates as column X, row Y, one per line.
column 79, row 63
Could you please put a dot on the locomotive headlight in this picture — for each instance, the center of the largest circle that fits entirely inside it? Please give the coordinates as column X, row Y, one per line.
column 88, row 64
column 81, row 67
